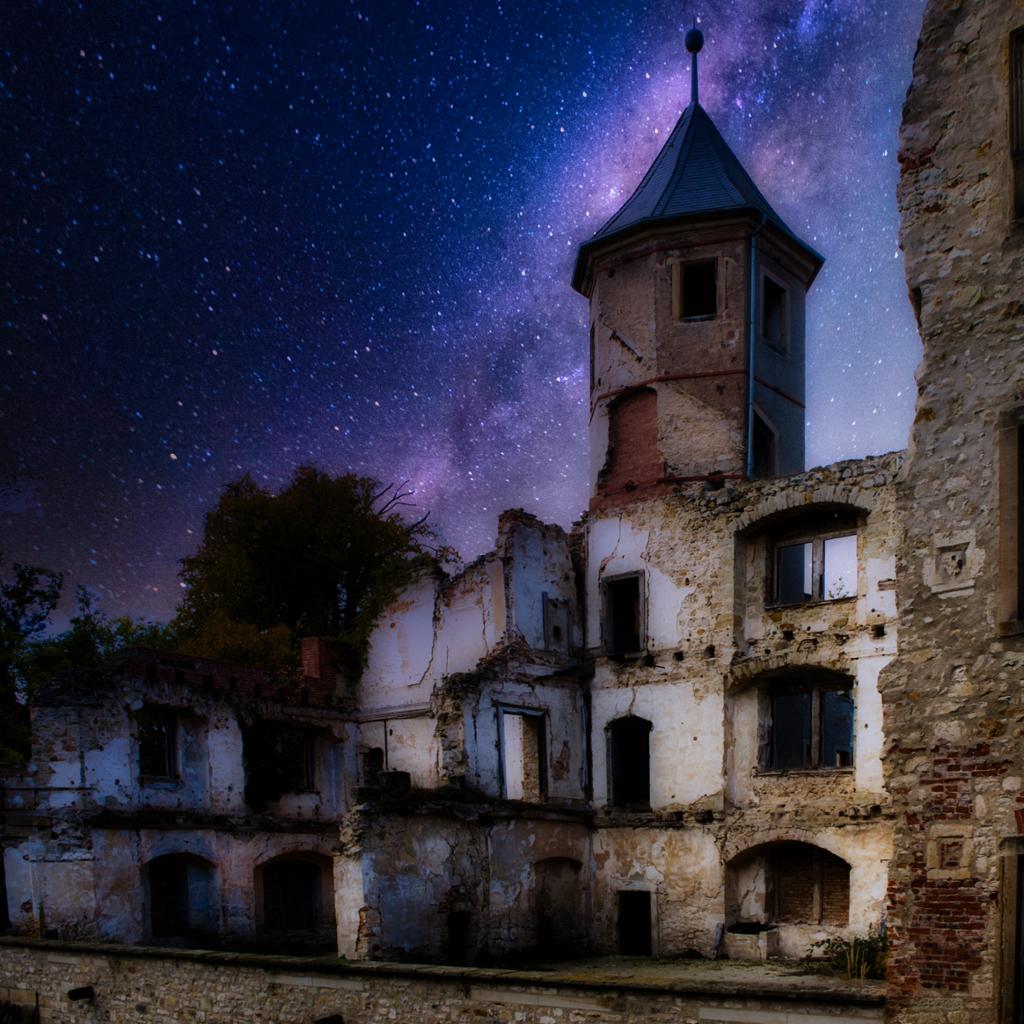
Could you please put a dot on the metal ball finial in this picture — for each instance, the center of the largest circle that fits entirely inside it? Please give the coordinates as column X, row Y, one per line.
column 694, row 40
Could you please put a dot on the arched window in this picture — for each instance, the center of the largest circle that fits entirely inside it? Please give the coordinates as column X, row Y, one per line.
column 807, row 722
column 180, row 892
column 295, row 896
column 561, row 913
column 629, row 762
column 787, row 883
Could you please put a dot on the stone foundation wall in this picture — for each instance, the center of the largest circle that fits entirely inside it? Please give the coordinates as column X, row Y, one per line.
column 167, row 987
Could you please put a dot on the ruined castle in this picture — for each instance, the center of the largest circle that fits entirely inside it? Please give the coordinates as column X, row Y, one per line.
column 740, row 709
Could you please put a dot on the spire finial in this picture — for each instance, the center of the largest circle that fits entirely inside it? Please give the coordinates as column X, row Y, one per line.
column 694, row 44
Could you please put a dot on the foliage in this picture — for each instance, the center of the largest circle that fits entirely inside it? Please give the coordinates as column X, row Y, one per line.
column 27, row 597
column 92, row 639
column 26, row 600
column 242, row 643
column 857, row 957
column 322, row 557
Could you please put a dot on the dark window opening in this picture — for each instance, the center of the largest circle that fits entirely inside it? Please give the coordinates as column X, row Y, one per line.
column 629, row 741
column 622, row 615
column 764, row 463
column 773, row 315
column 1020, row 523
column 821, row 568
column 523, row 767
column 158, row 743
column 180, row 890
column 808, row 885
column 1018, row 944
column 810, row 726
column 457, row 938
column 1017, row 120
column 373, row 765
column 634, row 923
column 295, row 750
column 291, row 895
column 556, row 624
column 699, row 290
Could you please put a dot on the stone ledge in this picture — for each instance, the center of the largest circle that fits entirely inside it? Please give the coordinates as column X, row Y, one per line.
column 596, row 975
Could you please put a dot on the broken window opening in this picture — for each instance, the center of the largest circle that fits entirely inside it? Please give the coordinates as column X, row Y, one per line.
column 807, row 885
column 697, row 290
column 634, row 923
column 373, row 765
column 158, row 743
column 629, row 742
column 820, row 568
column 523, row 762
column 809, row 725
column 293, row 894
column 774, row 315
column 765, row 461
column 180, row 891
column 623, row 615
column 1017, row 120
column 296, row 760
column 556, row 624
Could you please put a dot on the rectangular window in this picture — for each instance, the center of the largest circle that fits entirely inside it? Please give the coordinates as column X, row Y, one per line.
column 1017, row 120
column 1010, row 592
column 695, row 287
column 817, row 569
column 158, row 743
column 296, row 763
column 765, row 462
column 623, row 615
column 774, row 315
column 810, row 728
column 523, row 768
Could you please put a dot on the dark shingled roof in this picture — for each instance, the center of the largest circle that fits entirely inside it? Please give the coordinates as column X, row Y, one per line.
column 696, row 173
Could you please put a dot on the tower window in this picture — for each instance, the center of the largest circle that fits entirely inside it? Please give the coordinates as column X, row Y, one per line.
column 765, row 459
column 1017, row 120
column 696, row 291
column 623, row 615
column 774, row 319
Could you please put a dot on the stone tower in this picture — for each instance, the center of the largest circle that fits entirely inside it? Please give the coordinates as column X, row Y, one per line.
column 697, row 291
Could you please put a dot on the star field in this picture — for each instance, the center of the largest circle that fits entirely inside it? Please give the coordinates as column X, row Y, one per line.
column 245, row 236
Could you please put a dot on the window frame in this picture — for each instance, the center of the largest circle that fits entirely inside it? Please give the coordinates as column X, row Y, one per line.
column 172, row 759
column 679, row 291
column 817, row 541
column 309, row 742
column 815, row 686
column 783, row 346
column 607, row 632
column 540, row 715
column 1016, row 123
column 1010, row 573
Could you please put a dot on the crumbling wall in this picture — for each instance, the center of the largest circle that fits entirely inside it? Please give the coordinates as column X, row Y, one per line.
column 954, row 761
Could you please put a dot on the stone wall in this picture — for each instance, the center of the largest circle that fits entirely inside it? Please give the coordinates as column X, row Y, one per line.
column 954, row 715
column 168, row 987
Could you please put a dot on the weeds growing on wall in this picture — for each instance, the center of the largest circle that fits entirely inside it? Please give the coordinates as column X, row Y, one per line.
column 860, row 957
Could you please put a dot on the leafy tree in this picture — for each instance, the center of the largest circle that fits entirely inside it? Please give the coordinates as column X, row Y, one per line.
column 27, row 597
column 322, row 557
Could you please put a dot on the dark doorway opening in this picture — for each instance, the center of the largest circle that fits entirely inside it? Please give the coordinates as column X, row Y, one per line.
column 457, row 945
column 634, row 924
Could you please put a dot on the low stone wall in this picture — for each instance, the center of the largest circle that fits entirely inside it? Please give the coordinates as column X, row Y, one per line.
column 160, row 986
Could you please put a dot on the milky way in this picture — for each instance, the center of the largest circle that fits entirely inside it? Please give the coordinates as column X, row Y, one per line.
column 239, row 237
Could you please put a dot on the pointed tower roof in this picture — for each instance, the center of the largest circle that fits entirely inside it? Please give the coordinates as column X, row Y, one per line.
column 696, row 174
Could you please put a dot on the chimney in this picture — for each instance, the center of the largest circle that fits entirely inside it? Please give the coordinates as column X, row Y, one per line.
column 322, row 664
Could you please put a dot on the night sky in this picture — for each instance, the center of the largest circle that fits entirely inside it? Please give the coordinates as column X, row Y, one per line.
column 246, row 236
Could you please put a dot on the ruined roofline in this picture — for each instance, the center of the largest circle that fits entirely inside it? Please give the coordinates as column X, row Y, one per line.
column 208, row 675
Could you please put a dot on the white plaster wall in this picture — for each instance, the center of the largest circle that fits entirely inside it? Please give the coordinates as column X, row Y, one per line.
column 686, row 742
